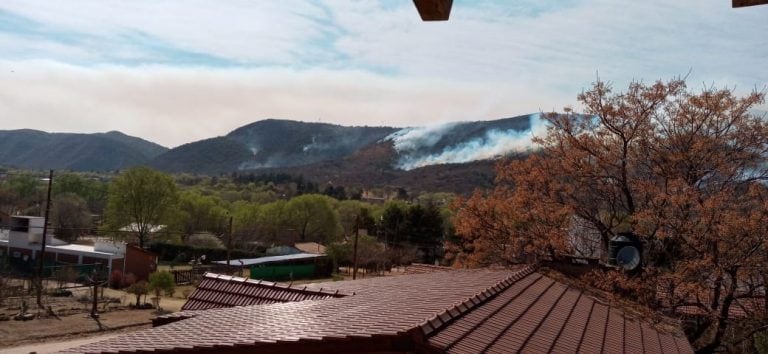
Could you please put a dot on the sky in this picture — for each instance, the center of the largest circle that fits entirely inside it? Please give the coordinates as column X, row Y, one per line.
column 177, row 71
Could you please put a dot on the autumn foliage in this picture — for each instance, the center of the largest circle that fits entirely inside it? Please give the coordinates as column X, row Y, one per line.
column 683, row 170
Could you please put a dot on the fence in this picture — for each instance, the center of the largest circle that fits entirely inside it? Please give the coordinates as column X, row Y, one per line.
column 184, row 277
column 20, row 268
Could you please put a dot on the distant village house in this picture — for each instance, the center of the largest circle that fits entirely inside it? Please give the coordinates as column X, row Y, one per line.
column 22, row 243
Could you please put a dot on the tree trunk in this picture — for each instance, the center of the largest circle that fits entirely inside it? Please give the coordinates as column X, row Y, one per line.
column 722, row 319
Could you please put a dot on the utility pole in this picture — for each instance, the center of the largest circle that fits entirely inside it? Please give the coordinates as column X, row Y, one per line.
column 229, row 241
column 382, row 231
column 95, row 303
column 42, row 243
column 354, row 252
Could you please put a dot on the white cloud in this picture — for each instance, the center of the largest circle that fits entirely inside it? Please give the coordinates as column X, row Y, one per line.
column 562, row 43
column 240, row 30
column 23, row 47
column 568, row 44
column 310, row 60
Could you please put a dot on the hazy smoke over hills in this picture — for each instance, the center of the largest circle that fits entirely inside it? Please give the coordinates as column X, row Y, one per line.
column 412, row 143
column 412, row 139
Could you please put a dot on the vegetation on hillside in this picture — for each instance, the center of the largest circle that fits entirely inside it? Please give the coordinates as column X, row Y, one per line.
column 358, row 157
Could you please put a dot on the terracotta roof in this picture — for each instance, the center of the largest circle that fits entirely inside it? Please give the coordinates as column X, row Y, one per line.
column 536, row 314
column 462, row 311
column 218, row 291
column 419, row 268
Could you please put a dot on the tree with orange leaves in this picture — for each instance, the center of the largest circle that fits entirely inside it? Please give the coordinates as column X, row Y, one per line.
column 685, row 171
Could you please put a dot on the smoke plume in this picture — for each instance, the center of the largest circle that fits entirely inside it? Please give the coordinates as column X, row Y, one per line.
column 412, row 143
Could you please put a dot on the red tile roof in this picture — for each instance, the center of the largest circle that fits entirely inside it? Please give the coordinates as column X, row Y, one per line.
column 539, row 315
column 218, row 291
column 419, row 268
column 461, row 311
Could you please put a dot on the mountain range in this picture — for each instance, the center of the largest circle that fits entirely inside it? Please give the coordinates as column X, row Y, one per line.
column 34, row 149
column 451, row 157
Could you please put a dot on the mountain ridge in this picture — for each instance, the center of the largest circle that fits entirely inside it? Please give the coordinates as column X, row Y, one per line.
column 456, row 156
column 36, row 149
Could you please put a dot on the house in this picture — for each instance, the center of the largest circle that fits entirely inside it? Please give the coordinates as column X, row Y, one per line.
column 139, row 262
column 223, row 291
column 133, row 229
column 456, row 311
column 285, row 267
column 22, row 242
column 419, row 268
column 281, row 251
column 380, row 196
column 310, row 247
column 5, row 218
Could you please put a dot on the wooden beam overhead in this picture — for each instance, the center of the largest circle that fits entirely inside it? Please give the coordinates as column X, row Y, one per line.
column 434, row 10
column 744, row 3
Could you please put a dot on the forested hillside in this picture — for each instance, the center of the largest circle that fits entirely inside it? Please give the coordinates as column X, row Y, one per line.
column 33, row 149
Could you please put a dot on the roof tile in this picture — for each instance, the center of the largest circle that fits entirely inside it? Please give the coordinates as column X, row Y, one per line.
column 461, row 311
column 633, row 338
column 614, row 339
column 219, row 291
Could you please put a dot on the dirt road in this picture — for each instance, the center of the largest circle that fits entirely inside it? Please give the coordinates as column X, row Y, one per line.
column 54, row 333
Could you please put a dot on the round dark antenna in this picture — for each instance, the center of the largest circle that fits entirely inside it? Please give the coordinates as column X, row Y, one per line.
column 625, row 251
column 628, row 257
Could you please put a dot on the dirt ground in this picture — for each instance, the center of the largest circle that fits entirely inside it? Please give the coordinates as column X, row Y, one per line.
column 73, row 320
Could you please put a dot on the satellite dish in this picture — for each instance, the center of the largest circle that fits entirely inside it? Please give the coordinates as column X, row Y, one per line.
column 625, row 251
column 628, row 257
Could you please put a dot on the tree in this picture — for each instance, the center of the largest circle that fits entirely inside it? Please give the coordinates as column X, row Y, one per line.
column 313, row 218
column 424, row 227
column 70, row 216
column 93, row 191
column 370, row 253
column 353, row 212
column 23, row 193
column 138, row 288
column 142, row 199
column 393, row 223
column 335, row 192
column 267, row 224
column 204, row 240
column 197, row 213
column 682, row 170
column 161, row 282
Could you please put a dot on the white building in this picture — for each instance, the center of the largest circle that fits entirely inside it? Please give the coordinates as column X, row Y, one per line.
column 23, row 242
